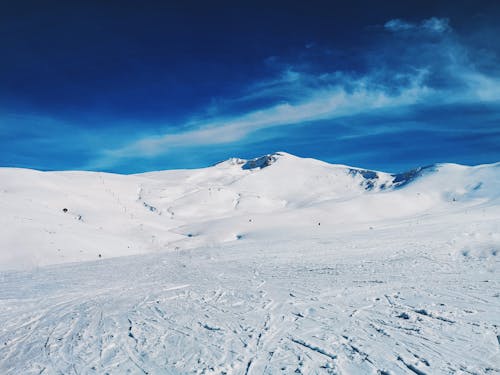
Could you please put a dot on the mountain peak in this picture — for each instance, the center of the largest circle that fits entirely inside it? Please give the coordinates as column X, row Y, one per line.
column 256, row 163
column 263, row 161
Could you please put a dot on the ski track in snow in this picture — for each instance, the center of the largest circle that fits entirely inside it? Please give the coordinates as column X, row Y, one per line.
column 386, row 307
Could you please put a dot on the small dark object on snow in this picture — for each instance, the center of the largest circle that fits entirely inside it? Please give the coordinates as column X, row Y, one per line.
column 65, row 210
column 249, row 220
column 404, row 315
column 319, row 223
column 100, row 256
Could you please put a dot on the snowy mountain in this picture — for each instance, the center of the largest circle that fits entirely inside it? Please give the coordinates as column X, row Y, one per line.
column 276, row 265
column 54, row 217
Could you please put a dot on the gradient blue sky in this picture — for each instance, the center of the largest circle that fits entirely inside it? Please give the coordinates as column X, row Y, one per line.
column 129, row 86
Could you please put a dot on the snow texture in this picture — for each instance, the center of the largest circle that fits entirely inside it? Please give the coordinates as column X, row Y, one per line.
column 273, row 265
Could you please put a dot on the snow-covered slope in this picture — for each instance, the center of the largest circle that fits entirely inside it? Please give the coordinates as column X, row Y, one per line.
column 54, row 217
column 278, row 265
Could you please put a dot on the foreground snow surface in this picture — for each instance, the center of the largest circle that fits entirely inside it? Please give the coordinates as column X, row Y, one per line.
column 420, row 297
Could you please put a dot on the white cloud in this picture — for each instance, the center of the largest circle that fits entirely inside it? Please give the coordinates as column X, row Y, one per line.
column 433, row 25
column 437, row 25
column 329, row 103
column 334, row 94
column 398, row 25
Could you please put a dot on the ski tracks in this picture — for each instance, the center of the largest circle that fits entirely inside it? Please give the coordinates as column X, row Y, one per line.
column 273, row 315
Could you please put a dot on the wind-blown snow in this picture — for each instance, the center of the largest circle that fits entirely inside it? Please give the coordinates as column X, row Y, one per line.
column 276, row 265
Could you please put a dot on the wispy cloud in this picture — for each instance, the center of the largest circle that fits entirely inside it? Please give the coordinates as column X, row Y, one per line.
column 433, row 25
column 353, row 97
column 431, row 68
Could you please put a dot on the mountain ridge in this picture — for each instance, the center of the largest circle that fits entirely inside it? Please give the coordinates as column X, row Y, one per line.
column 53, row 217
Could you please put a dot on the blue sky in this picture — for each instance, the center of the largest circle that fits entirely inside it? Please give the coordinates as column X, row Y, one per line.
column 129, row 87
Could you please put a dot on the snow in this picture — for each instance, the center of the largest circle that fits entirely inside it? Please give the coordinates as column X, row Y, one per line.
column 290, row 266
